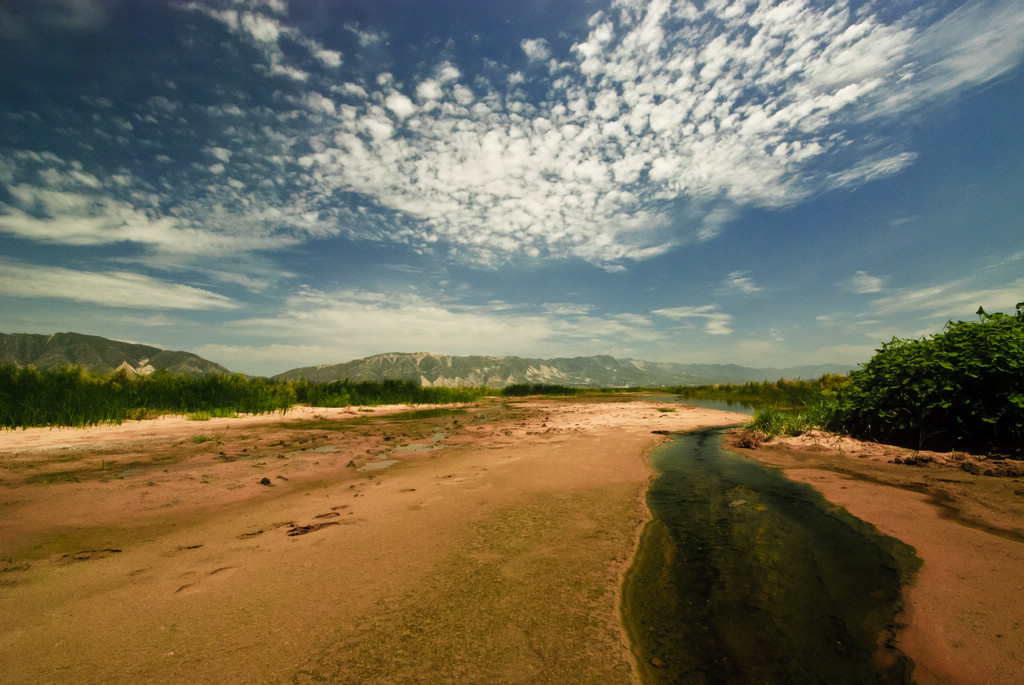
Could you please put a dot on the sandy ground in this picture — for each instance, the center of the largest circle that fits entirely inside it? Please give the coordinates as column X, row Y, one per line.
column 328, row 545
column 964, row 615
column 486, row 545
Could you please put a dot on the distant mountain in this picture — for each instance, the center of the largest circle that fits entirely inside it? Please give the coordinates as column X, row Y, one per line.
column 433, row 370
column 99, row 355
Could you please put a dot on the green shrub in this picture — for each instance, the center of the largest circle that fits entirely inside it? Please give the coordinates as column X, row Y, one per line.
column 961, row 388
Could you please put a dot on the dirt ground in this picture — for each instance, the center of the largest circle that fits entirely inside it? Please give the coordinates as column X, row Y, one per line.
column 475, row 544
column 964, row 613
column 483, row 543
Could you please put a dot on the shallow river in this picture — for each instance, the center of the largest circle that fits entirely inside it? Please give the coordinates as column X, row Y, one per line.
column 744, row 576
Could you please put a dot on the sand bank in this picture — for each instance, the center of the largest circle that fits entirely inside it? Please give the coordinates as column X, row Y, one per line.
column 964, row 613
column 287, row 549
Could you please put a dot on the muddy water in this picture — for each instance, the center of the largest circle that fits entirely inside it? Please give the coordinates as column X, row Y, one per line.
column 744, row 576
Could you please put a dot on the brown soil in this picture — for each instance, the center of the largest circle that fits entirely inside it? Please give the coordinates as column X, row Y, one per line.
column 964, row 612
column 328, row 545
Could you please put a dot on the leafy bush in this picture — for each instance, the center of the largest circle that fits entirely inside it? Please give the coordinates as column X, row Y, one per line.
column 961, row 388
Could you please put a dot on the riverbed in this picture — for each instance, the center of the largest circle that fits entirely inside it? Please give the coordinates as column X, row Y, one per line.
column 744, row 576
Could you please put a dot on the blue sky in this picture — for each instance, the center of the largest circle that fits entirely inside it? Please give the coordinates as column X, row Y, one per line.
column 275, row 184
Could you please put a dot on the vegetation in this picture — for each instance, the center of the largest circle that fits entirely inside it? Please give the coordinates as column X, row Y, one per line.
column 524, row 389
column 74, row 397
column 367, row 393
column 784, row 394
column 771, row 421
column 962, row 388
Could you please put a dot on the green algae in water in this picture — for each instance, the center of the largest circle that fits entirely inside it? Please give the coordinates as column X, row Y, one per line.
column 744, row 576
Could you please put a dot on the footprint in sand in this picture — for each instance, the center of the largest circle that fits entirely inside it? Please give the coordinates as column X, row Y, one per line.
column 86, row 554
column 214, row 572
column 305, row 530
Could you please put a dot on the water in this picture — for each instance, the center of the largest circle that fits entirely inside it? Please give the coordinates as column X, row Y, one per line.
column 720, row 405
column 744, row 576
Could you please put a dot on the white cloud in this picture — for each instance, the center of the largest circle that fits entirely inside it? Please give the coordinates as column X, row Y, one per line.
column 357, row 323
column 873, row 168
column 400, row 105
column 108, row 288
column 956, row 299
column 318, row 103
column 289, row 71
column 331, row 58
column 536, row 49
column 663, row 122
column 630, row 126
column 715, row 321
column 220, row 153
column 862, row 282
column 739, row 283
column 261, row 28
column 429, row 89
column 76, row 217
column 974, row 44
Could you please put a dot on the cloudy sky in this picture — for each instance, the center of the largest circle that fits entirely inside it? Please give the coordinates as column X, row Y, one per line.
column 273, row 184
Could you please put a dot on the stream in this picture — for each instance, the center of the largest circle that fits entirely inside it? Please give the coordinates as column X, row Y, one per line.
column 744, row 576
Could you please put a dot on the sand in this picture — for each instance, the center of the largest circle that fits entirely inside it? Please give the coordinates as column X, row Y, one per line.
column 336, row 545
column 963, row 620
column 328, row 545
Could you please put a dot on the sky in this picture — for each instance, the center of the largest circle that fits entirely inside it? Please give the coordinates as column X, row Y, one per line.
column 273, row 183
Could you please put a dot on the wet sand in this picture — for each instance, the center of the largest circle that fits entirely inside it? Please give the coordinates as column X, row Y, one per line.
column 328, row 545
column 964, row 612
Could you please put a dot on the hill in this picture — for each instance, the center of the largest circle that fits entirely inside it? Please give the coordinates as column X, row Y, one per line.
column 99, row 355
column 436, row 370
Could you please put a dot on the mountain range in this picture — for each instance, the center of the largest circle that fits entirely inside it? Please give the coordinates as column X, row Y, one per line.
column 433, row 370
column 101, row 355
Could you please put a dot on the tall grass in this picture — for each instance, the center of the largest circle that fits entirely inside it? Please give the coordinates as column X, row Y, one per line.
column 772, row 422
column 788, row 394
column 783, row 407
column 524, row 389
column 368, row 393
column 73, row 397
